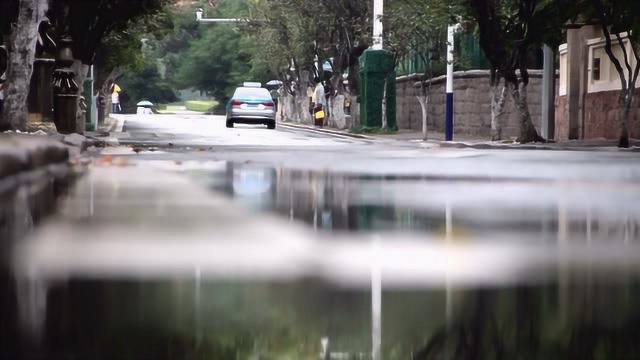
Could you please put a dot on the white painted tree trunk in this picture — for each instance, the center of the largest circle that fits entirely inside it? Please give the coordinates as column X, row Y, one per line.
column 336, row 107
column 424, row 106
column 81, row 70
column 528, row 132
column 302, row 101
column 22, row 51
column 384, row 106
column 354, row 112
column 498, row 99
column 288, row 108
column 302, row 109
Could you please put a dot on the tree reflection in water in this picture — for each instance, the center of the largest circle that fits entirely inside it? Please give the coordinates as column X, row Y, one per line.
column 525, row 323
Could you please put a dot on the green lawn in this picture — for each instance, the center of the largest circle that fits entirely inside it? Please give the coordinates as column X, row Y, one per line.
column 200, row 105
column 175, row 107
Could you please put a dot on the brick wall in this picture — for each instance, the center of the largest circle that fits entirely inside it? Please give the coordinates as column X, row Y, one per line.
column 472, row 104
column 602, row 116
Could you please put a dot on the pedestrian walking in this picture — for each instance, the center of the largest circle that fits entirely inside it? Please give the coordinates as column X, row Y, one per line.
column 115, row 100
column 319, row 102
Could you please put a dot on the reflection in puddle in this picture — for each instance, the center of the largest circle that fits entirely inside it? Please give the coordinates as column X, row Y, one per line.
column 491, row 271
column 582, row 212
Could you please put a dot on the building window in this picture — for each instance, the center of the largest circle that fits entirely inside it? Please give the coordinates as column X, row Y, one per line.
column 595, row 70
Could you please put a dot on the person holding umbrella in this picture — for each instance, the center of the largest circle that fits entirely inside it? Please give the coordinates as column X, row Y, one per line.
column 145, row 108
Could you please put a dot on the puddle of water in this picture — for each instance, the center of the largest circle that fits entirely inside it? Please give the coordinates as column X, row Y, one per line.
column 580, row 305
column 547, row 211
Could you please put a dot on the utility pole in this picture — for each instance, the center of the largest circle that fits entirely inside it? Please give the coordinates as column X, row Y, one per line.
column 448, row 131
column 548, row 94
column 376, row 300
column 378, row 10
column 378, row 86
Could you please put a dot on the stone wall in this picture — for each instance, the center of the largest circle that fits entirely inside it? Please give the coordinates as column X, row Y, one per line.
column 472, row 104
column 562, row 123
column 602, row 116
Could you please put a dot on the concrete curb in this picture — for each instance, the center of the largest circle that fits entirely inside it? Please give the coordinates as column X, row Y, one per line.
column 337, row 133
column 536, row 146
column 34, row 172
column 587, row 146
column 19, row 153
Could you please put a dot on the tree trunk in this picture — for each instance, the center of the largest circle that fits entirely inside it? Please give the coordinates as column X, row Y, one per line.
column 497, row 110
column 302, row 101
column 424, row 103
column 336, row 107
column 384, row 106
column 81, row 71
column 288, row 107
column 354, row 112
column 528, row 132
column 21, row 49
column 624, row 136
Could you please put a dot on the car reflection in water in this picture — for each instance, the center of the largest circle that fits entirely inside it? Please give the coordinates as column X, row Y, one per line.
column 253, row 185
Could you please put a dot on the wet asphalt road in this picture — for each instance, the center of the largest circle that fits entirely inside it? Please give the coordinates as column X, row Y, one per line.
column 198, row 137
column 185, row 238
column 392, row 190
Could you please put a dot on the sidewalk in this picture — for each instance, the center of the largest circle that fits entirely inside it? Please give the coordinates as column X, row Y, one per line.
column 437, row 140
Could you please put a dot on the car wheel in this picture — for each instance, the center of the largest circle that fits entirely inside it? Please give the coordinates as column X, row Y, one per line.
column 229, row 123
column 271, row 125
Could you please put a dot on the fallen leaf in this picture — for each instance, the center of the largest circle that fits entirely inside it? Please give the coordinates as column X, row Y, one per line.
column 201, row 149
column 121, row 161
column 178, row 162
column 137, row 150
column 170, row 144
column 105, row 160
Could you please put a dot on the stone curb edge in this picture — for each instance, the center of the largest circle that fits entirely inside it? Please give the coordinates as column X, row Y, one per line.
column 544, row 147
column 22, row 154
column 326, row 131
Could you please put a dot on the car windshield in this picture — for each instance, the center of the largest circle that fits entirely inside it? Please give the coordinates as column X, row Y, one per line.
column 244, row 92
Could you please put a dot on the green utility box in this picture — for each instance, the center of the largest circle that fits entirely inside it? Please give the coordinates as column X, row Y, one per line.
column 377, row 82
